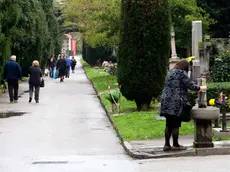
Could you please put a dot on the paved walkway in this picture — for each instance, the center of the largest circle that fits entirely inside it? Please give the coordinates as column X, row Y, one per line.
column 68, row 131
column 68, row 125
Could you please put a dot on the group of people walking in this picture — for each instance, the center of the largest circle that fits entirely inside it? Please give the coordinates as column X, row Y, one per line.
column 176, row 88
column 62, row 65
column 13, row 73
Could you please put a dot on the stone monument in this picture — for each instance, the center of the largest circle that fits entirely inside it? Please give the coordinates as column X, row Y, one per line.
column 196, row 39
column 174, row 59
column 205, row 57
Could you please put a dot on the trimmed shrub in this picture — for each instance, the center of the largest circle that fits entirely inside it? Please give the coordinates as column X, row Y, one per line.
column 143, row 50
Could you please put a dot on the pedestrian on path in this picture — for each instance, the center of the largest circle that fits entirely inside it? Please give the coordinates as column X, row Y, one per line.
column 51, row 65
column 12, row 74
column 73, row 64
column 68, row 61
column 176, row 87
column 61, row 67
column 34, row 81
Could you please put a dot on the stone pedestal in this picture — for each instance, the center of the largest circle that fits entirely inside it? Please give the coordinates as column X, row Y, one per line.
column 173, row 62
column 203, row 134
column 203, row 118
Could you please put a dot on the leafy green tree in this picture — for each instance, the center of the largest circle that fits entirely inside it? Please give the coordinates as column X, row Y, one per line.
column 98, row 20
column 219, row 11
column 28, row 29
column 144, row 49
column 183, row 12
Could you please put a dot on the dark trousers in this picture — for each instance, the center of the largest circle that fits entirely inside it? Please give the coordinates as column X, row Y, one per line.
column 13, row 89
column 67, row 72
column 35, row 89
column 51, row 69
column 73, row 69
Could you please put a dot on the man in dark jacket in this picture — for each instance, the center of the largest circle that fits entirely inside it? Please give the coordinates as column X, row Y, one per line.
column 12, row 74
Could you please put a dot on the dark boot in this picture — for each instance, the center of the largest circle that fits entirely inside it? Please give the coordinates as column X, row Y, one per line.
column 176, row 145
column 30, row 100
column 168, row 133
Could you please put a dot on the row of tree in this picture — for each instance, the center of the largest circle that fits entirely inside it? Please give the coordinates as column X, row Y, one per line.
column 141, row 30
column 99, row 21
column 29, row 29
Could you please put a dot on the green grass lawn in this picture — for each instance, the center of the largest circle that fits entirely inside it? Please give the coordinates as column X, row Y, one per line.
column 133, row 125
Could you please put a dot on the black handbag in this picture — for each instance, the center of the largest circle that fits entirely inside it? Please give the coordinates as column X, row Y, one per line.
column 184, row 110
column 42, row 83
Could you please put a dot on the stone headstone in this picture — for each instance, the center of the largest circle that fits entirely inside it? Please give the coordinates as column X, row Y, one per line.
column 196, row 38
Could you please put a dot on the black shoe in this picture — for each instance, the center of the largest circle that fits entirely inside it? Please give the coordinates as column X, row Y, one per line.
column 167, row 148
column 30, row 100
column 37, row 101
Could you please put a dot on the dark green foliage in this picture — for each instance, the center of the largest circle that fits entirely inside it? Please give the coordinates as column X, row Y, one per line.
column 219, row 11
column 28, row 29
column 220, row 71
column 92, row 55
column 144, row 49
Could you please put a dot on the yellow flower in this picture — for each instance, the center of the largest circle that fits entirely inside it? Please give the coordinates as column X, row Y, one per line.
column 189, row 59
column 212, row 102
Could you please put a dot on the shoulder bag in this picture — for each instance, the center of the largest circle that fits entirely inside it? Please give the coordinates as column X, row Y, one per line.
column 184, row 110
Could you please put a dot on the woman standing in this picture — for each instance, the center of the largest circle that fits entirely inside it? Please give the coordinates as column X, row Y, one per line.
column 176, row 87
column 34, row 81
column 61, row 67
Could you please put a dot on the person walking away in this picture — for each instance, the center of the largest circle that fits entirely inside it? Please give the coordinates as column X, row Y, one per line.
column 68, row 61
column 176, row 87
column 61, row 67
column 51, row 65
column 12, row 74
column 34, row 81
column 73, row 64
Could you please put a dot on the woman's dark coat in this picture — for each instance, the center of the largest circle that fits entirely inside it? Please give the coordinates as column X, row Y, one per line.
column 61, row 66
column 176, row 86
column 35, row 76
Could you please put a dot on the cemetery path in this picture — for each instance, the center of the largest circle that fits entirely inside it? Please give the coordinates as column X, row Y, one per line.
column 68, row 131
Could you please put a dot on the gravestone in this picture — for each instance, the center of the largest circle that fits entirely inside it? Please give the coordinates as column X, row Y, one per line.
column 205, row 57
column 196, row 39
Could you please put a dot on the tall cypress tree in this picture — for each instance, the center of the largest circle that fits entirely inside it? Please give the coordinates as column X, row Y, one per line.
column 219, row 11
column 143, row 50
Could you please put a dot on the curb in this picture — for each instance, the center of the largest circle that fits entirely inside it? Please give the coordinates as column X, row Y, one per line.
column 110, row 118
column 136, row 154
